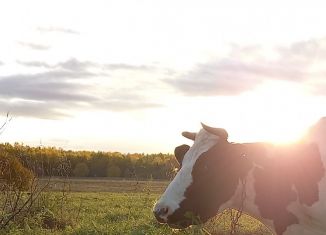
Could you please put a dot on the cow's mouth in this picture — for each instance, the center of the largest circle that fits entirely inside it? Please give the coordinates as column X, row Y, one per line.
column 182, row 220
column 175, row 224
column 180, row 224
column 159, row 219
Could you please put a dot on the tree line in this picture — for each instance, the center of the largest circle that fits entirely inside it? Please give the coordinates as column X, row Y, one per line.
column 51, row 161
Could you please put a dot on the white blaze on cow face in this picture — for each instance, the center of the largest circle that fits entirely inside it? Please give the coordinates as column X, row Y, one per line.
column 174, row 194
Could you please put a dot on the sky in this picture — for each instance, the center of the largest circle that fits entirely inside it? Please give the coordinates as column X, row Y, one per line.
column 130, row 76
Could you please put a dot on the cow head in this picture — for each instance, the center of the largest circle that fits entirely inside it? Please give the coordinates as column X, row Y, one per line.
column 203, row 182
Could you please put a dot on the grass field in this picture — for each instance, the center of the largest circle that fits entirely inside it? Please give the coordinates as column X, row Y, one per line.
column 101, row 206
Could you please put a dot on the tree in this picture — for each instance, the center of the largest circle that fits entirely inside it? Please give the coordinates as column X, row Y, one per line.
column 113, row 171
column 81, row 170
column 98, row 164
column 50, row 161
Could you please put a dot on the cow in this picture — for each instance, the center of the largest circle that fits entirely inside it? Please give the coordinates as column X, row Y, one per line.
column 284, row 186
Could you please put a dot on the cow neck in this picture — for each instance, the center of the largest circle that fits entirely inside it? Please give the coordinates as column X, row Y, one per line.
column 287, row 174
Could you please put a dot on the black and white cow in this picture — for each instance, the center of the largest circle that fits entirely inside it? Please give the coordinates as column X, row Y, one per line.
column 284, row 186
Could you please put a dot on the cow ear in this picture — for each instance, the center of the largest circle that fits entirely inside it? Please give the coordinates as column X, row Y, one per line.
column 189, row 135
column 180, row 152
column 220, row 132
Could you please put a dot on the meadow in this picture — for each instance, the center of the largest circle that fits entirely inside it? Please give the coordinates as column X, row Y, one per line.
column 106, row 206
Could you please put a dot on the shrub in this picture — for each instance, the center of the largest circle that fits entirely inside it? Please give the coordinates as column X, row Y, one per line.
column 13, row 173
column 81, row 170
column 113, row 171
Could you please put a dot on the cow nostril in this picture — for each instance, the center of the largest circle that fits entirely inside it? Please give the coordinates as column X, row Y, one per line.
column 161, row 213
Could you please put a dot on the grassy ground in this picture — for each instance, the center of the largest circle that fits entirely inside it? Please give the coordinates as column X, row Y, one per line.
column 115, row 211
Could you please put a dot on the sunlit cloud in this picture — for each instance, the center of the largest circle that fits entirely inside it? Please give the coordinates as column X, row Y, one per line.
column 237, row 73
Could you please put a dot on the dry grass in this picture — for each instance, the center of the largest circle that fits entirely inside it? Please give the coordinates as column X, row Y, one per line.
column 107, row 185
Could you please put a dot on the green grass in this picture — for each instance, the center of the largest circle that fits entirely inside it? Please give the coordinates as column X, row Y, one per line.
column 117, row 213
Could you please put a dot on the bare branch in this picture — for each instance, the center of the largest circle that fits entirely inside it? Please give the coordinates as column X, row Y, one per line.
column 6, row 122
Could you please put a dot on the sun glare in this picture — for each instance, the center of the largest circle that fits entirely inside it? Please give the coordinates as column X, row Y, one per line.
column 278, row 112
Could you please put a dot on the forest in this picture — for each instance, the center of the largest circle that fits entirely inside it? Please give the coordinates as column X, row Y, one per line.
column 51, row 161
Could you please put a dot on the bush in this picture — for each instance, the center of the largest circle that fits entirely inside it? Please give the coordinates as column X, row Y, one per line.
column 113, row 171
column 14, row 173
column 81, row 170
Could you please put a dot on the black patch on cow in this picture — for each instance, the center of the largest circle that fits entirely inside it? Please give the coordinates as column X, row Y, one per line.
column 216, row 175
column 180, row 151
column 297, row 166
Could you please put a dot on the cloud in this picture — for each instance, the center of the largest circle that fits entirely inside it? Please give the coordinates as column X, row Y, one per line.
column 232, row 77
column 34, row 64
column 244, row 68
column 52, row 94
column 52, row 85
column 122, row 100
column 64, row 88
column 1, row 63
column 128, row 67
column 43, row 110
column 215, row 79
column 35, row 46
column 127, row 105
column 57, row 30
column 307, row 51
column 74, row 64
